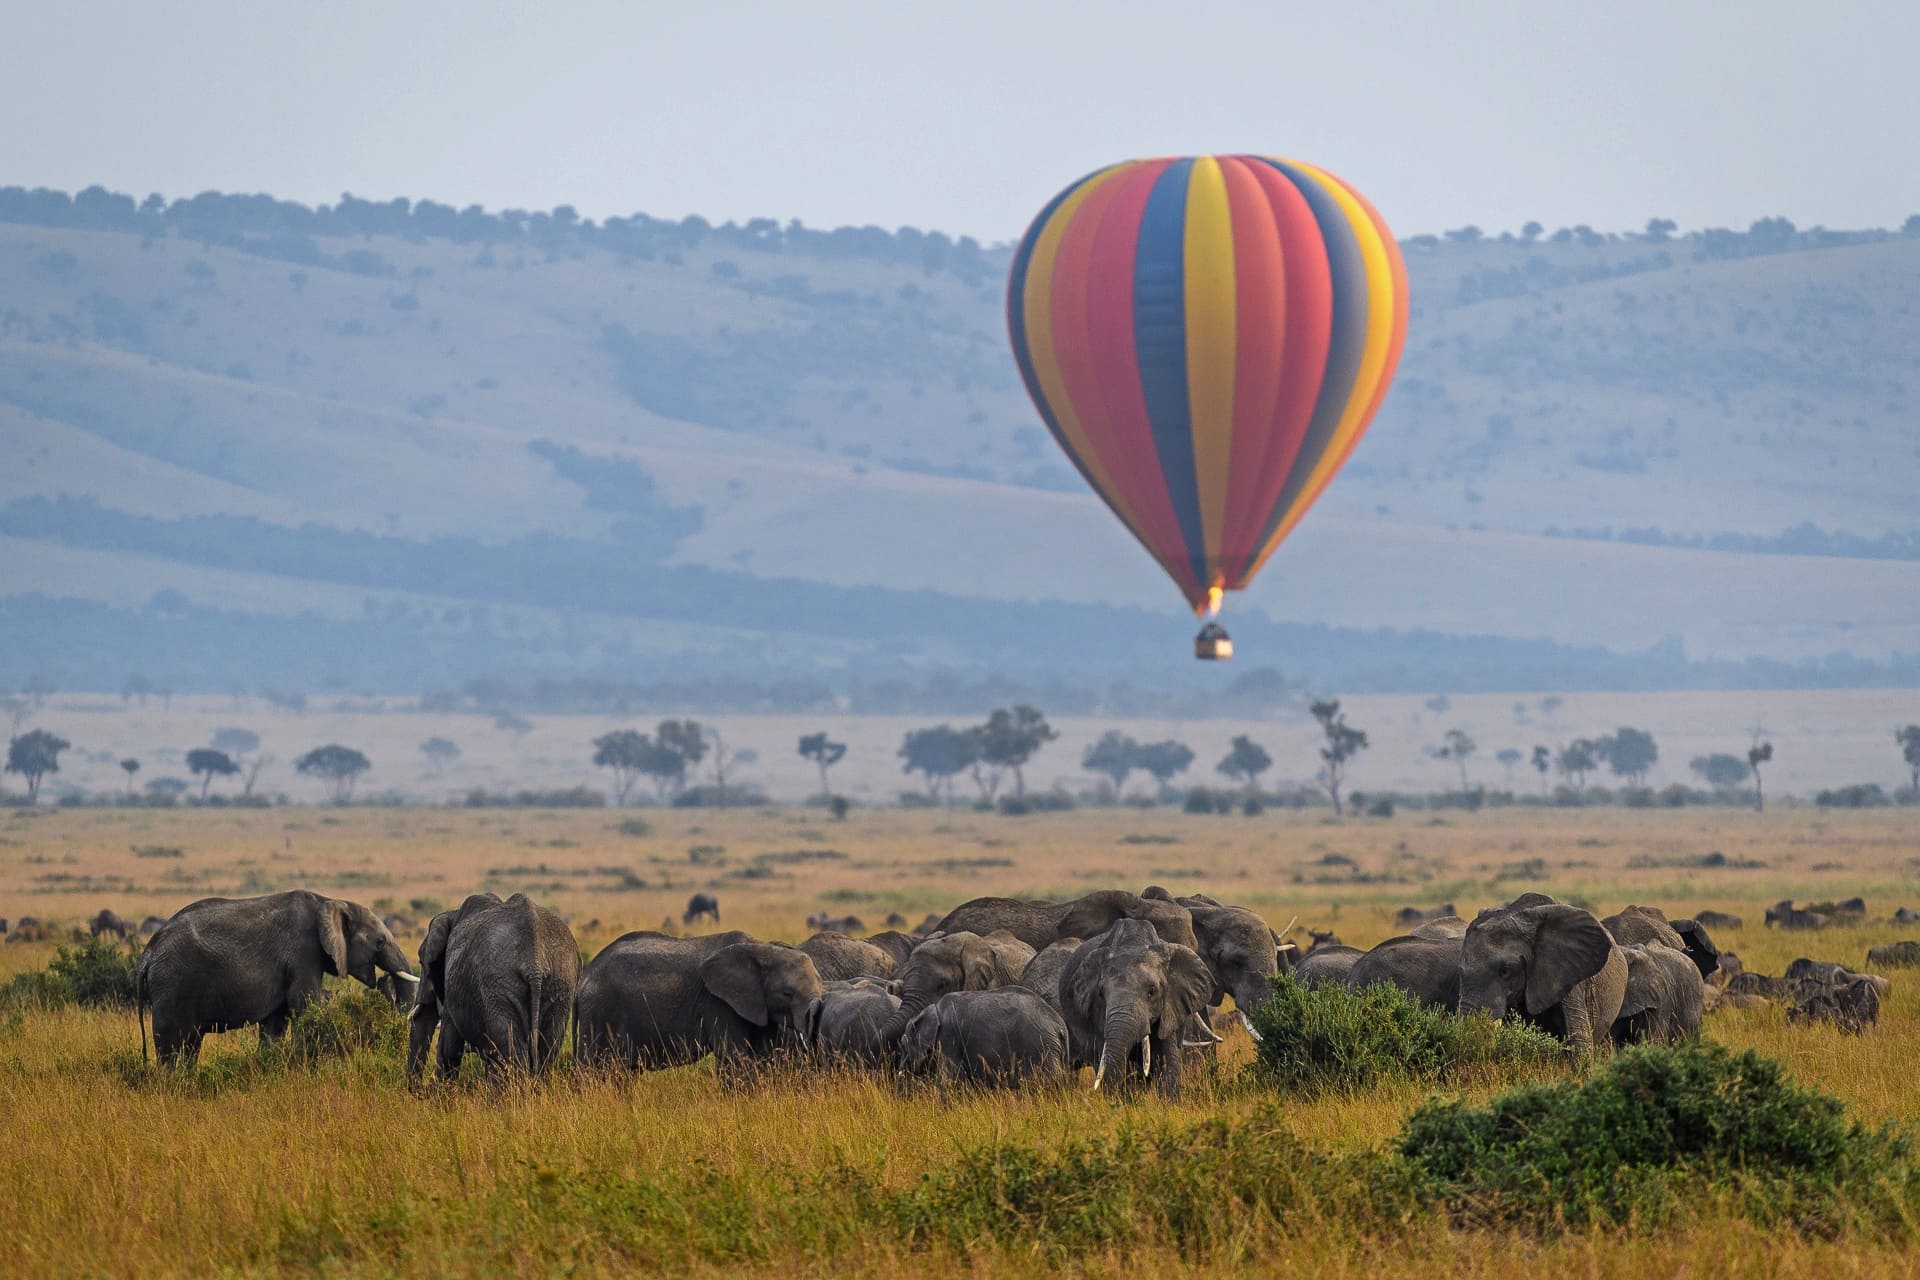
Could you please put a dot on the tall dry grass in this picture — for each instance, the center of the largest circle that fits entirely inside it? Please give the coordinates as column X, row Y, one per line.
column 109, row 1169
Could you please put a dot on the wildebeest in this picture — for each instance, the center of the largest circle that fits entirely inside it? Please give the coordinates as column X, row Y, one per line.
column 1853, row 1008
column 1906, row 915
column 1894, row 955
column 109, row 921
column 821, row 922
column 701, row 906
column 1407, row 917
column 1788, row 916
column 151, row 925
column 1322, row 938
column 1717, row 919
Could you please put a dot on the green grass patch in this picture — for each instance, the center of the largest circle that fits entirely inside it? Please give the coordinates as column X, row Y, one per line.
column 1315, row 1039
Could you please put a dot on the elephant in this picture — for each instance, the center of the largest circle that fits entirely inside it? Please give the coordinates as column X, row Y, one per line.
column 648, row 1000
column 109, row 922
column 1129, row 995
column 1008, row 1036
column 1894, row 955
column 701, row 906
column 1440, row 929
column 1552, row 963
column 896, row 944
column 1718, row 920
column 1650, row 925
column 1326, row 966
column 963, row 961
column 1428, row 969
column 1240, row 950
column 1664, row 998
column 842, row 1026
column 1039, row 923
column 222, row 963
column 837, row 956
column 496, row 977
column 1042, row 974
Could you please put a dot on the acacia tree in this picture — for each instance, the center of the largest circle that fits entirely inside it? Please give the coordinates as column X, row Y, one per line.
column 1720, row 771
column 1758, row 754
column 1908, row 740
column 1116, row 755
column 1576, row 760
column 825, row 753
column 1344, row 742
column 1543, row 764
column 130, row 766
column 1246, row 760
column 939, row 753
column 337, row 766
column 625, row 751
column 1011, row 737
column 243, row 745
column 33, row 755
column 1508, row 758
column 208, row 764
column 1457, row 746
column 1629, row 753
column 1162, row 760
column 441, row 752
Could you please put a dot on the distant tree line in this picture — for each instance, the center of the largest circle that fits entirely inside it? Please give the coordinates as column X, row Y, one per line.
column 288, row 230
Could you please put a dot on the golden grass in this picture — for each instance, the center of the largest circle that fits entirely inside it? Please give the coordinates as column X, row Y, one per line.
column 110, row 1171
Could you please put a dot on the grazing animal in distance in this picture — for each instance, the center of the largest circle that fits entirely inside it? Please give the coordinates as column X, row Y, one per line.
column 1321, row 938
column 895, row 920
column 701, row 906
column 1906, row 915
column 1717, row 920
column 1894, row 955
column 1853, row 1008
column 1788, row 916
column 1407, row 917
column 108, row 921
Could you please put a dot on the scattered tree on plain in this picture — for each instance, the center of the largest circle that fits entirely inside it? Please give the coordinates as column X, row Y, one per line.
column 825, row 753
column 1246, row 760
column 1162, row 760
column 130, row 766
column 441, row 752
column 1457, row 746
column 33, row 755
column 207, row 764
column 1908, row 739
column 244, row 746
column 1758, row 754
column 1543, row 764
column 1720, row 771
column 337, row 766
column 1576, row 760
column 625, row 751
column 1344, row 742
column 1629, row 753
column 940, row 754
column 1116, row 755
column 514, row 723
column 1011, row 737
column 1509, row 757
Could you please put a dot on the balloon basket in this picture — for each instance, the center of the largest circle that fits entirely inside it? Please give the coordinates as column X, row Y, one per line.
column 1213, row 644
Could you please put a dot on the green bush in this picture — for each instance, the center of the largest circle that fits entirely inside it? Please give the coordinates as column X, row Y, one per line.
column 636, row 827
column 1330, row 1038
column 98, row 973
column 1652, row 1132
column 351, row 1020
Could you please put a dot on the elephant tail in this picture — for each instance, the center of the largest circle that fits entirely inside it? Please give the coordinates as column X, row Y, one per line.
column 140, row 1006
column 533, row 1022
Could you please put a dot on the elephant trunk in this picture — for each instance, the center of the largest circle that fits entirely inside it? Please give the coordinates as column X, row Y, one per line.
column 1248, row 995
column 1124, row 1029
column 912, row 1001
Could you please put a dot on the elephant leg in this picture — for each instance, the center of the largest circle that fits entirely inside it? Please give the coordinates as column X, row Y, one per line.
column 421, row 1026
column 451, row 1052
column 273, row 1026
column 177, row 1046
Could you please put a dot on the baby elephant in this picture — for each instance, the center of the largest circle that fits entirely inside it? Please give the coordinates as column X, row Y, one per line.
column 1003, row 1036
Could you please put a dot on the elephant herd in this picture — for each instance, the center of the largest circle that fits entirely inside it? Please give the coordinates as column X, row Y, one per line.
column 1000, row 990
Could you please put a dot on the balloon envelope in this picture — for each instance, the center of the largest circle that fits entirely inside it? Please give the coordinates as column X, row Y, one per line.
column 1207, row 338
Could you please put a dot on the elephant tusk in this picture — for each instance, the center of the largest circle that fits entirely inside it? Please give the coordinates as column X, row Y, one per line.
column 401, row 973
column 1101, row 1073
column 1212, row 1036
column 1289, row 929
column 1247, row 1022
column 1146, row 1057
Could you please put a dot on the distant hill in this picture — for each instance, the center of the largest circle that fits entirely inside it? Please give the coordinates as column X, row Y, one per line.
column 1702, row 447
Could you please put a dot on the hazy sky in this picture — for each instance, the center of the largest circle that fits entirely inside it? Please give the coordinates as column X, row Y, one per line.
column 968, row 116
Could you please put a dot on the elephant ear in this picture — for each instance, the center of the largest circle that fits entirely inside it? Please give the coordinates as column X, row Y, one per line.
column 1083, row 981
column 433, row 950
column 332, row 930
column 810, row 1034
column 1569, row 946
column 1699, row 947
column 1643, row 988
column 917, row 1043
column 1189, row 987
column 733, row 974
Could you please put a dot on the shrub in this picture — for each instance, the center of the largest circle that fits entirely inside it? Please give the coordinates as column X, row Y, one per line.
column 712, row 797
column 1648, row 1134
column 97, row 973
column 352, row 1020
column 1861, row 795
column 1321, row 1038
column 1253, row 806
column 636, row 827
column 1199, row 800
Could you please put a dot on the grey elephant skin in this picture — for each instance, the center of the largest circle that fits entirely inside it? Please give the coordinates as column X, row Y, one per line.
column 1327, row 965
column 1042, row 974
column 498, row 978
column 1239, row 947
column 839, row 957
column 1129, row 996
column 1650, row 925
column 896, row 944
column 949, row 962
column 999, row 1038
column 1550, row 962
column 1664, row 999
column 842, row 1027
column 1428, row 969
column 223, row 963
column 1039, row 923
column 648, row 1000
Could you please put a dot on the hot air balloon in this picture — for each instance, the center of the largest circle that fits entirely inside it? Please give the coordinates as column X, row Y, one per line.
column 1207, row 338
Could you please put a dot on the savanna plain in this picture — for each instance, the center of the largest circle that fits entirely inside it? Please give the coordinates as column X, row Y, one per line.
column 327, row 1163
